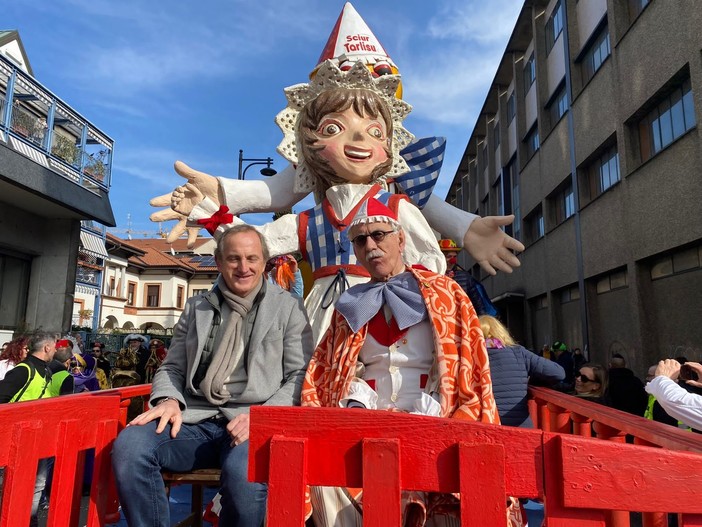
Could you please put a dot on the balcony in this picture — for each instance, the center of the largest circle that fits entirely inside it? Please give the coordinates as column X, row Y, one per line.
column 37, row 124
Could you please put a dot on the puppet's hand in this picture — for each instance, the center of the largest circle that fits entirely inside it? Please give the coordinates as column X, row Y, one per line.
column 179, row 228
column 490, row 246
column 184, row 198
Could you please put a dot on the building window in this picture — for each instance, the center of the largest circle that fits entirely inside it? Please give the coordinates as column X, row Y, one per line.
column 601, row 174
column 554, row 27
column 570, row 294
column 532, row 141
column 511, row 108
column 677, row 262
column 153, row 292
column 496, row 135
column 563, row 204
column 180, row 297
column 559, row 106
column 636, row 6
column 540, row 302
column 516, row 206
column 497, row 205
column 596, row 54
column 199, row 292
column 534, row 225
column 611, row 282
column 131, row 293
column 484, row 156
column 529, row 73
column 111, row 292
column 14, row 288
column 674, row 116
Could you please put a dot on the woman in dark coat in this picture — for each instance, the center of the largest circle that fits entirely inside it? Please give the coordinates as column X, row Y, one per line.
column 511, row 367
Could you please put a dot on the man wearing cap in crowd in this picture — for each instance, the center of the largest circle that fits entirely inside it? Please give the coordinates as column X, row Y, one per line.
column 136, row 345
column 474, row 289
column 61, row 379
column 560, row 354
column 409, row 340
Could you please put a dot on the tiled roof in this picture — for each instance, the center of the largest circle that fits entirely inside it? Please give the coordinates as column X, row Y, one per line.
column 157, row 253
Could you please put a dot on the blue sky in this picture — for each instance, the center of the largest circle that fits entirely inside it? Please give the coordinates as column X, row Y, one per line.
column 197, row 81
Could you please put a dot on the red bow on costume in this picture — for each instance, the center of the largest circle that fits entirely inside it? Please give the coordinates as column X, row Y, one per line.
column 217, row 219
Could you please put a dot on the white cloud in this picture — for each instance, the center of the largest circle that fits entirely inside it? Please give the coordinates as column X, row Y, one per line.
column 482, row 22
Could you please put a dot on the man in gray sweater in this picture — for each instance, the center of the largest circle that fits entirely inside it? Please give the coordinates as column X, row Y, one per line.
column 246, row 342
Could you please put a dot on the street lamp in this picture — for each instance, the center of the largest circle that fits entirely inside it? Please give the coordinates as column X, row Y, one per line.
column 268, row 171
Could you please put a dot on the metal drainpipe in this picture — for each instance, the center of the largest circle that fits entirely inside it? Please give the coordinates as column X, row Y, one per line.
column 574, row 181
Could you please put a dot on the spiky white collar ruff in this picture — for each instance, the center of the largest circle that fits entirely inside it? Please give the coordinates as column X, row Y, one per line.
column 328, row 77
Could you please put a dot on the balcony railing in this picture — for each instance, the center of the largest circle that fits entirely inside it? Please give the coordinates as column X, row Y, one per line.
column 35, row 118
column 88, row 275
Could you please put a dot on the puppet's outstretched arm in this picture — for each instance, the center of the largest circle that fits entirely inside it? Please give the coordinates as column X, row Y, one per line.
column 483, row 238
column 241, row 196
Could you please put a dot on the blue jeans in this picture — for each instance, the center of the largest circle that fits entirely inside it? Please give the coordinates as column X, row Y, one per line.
column 139, row 455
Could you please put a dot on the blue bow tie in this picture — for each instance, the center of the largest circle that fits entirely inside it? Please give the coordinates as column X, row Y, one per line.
column 401, row 294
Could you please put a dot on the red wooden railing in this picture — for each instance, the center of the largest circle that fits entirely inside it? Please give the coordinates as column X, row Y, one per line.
column 62, row 428
column 584, row 482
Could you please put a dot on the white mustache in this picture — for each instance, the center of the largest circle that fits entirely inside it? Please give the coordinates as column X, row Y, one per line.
column 374, row 253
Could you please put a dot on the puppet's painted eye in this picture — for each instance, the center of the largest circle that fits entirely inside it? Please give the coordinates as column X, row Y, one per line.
column 330, row 129
column 376, row 132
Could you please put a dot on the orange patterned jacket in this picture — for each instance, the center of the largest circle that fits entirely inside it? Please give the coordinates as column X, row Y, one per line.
column 465, row 386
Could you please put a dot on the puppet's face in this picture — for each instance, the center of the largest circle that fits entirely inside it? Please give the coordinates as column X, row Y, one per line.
column 352, row 145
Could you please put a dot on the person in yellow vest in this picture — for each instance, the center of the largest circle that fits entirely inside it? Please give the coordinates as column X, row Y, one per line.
column 28, row 381
column 61, row 379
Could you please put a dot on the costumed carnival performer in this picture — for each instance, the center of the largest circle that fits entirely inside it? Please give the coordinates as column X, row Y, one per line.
column 344, row 136
column 409, row 341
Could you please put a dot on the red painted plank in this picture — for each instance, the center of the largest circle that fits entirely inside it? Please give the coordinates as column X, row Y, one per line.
column 555, row 513
column 382, row 505
column 64, row 478
column 608, row 475
column 691, row 520
column 20, row 474
column 102, row 473
column 286, row 488
column 482, row 503
column 428, row 460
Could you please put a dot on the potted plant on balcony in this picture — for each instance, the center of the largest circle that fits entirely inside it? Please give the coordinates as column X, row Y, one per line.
column 95, row 165
column 22, row 122
column 65, row 148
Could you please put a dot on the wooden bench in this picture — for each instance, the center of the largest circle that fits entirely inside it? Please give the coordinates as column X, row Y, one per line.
column 199, row 479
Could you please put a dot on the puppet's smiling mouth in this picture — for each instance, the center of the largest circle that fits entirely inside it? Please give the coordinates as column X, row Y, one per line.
column 355, row 153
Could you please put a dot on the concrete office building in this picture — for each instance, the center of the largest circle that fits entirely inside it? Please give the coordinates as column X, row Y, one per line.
column 589, row 135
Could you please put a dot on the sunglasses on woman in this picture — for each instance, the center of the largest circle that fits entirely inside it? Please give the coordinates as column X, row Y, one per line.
column 585, row 378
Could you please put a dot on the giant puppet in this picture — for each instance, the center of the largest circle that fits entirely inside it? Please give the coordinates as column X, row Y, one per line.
column 343, row 135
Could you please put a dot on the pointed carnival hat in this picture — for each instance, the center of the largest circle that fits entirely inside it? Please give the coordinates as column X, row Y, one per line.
column 373, row 211
column 352, row 41
column 349, row 60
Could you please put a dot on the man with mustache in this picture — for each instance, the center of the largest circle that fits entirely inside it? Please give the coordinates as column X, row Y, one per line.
column 407, row 341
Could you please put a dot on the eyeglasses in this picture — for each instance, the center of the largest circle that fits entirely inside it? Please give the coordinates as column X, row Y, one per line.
column 378, row 236
column 585, row 378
